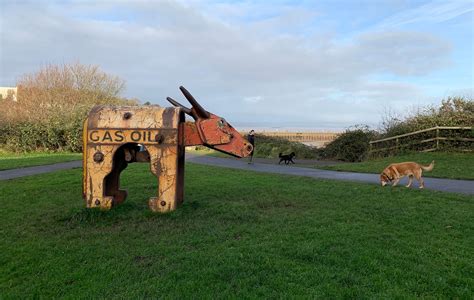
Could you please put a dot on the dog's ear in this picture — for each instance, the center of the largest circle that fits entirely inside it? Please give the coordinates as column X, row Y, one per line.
column 383, row 179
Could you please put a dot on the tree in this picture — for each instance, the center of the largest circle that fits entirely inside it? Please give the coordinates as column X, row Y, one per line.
column 52, row 104
column 64, row 90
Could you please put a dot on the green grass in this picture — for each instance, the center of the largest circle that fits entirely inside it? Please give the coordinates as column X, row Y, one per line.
column 209, row 152
column 15, row 160
column 238, row 234
column 447, row 165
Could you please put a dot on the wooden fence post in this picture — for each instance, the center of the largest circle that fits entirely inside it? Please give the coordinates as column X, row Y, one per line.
column 437, row 138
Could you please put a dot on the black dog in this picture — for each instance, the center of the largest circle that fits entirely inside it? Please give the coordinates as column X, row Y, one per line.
column 287, row 158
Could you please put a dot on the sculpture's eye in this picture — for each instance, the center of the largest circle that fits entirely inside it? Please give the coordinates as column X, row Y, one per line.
column 221, row 123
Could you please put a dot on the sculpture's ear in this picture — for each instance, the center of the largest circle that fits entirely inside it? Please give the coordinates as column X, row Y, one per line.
column 177, row 104
column 200, row 112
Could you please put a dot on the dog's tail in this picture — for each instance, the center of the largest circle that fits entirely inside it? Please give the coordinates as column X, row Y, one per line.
column 428, row 168
column 280, row 154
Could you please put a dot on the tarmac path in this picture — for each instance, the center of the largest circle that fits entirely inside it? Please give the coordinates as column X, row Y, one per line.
column 437, row 184
column 21, row 172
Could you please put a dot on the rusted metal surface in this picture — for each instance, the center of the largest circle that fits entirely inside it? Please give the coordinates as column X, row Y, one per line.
column 191, row 134
column 112, row 139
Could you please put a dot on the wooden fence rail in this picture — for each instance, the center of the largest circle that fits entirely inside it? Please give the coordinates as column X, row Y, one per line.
column 396, row 142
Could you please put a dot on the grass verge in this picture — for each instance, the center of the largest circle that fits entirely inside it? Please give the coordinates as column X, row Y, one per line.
column 447, row 165
column 238, row 234
column 10, row 160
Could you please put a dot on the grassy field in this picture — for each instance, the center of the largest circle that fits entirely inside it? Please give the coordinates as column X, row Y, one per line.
column 447, row 165
column 10, row 160
column 238, row 234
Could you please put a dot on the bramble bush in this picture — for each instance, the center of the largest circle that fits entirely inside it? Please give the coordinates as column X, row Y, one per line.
column 353, row 145
column 453, row 111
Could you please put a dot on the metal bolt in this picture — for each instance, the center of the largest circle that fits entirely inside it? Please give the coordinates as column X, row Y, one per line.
column 163, row 203
column 98, row 156
column 97, row 202
column 127, row 115
column 159, row 138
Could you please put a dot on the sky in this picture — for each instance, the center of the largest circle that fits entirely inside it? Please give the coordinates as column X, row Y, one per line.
column 320, row 65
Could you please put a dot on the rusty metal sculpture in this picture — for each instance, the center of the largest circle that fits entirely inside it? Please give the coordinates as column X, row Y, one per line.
column 112, row 139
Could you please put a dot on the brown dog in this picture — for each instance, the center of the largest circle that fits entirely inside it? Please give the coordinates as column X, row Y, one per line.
column 395, row 172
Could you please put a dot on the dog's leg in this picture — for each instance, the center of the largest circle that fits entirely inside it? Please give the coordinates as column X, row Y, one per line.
column 420, row 180
column 395, row 182
column 287, row 162
column 410, row 180
column 422, row 183
column 292, row 160
column 280, row 161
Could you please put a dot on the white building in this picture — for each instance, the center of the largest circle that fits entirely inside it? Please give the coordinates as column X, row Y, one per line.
column 6, row 92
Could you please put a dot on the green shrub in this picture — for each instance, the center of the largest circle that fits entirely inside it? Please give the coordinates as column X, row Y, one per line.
column 59, row 134
column 352, row 145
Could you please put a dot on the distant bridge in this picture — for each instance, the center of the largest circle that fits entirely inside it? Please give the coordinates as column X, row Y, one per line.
column 315, row 139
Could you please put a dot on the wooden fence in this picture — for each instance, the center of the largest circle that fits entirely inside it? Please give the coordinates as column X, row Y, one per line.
column 426, row 140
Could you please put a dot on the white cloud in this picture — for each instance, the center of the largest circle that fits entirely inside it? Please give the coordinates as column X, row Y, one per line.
column 157, row 46
column 253, row 99
column 431, row 12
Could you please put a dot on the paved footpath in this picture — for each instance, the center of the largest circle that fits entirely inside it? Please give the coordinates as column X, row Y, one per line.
column 438, row 184
column 15, row 173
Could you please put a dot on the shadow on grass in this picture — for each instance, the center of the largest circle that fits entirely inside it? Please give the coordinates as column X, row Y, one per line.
column 126, row 212
column 98, row 217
